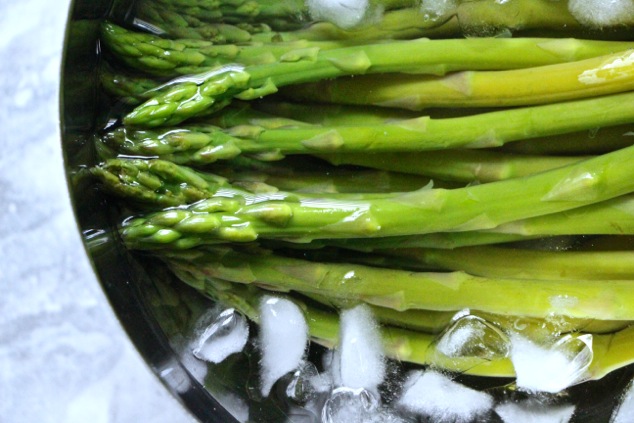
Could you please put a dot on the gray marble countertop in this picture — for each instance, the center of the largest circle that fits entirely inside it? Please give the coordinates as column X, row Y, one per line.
column 63, row 355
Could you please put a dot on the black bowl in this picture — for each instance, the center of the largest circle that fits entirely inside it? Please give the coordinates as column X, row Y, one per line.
column 157, row 312
column 137, row 298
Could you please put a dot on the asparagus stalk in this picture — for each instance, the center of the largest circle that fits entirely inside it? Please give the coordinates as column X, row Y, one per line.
column 612, row 217
column 171, row 58
column 127, row 88
column 267, row 113
column 282, row 14
column 432, row 240
column 519, row 87
column 199, row 143
column 178, row 24
column 409, row 20
column 287, row 15
column 165, row 184
column 430, row 321
column 594, row 141
column 406, row 290
column 497, row 262
column 331, row 114
column 335, row 181
column 156, row 182
column 216, row 88
column 427, row 321
column 234, row 216
column 275, row 114
column 239, row 8
column 457, row 165
column 475, row 131
column 610, row 351
column 135, row 90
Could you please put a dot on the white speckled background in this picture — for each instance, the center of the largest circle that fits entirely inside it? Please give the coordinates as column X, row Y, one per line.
column 63, row 355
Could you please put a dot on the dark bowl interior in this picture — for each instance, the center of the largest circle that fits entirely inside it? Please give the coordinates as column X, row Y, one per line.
column 134, row 295
column 155, row 313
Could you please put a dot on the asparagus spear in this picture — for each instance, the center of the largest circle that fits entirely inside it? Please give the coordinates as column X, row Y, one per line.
column 323, row 326
column 284, row 14
column 612, row 217
column 197, row 143
column 330, row 114
column 519, row 87
column 135, row 89
column 233, row 216
column 432, row 240
column 281, row 15
column 271, row 113
column 594, row 141
column 457, row 165
column 157, row 182
column 410, row 20
column 610, row 351
column 171, row 58
column 490, row 261
column 127, row 88
column 405, row 290
column 165, row 184
column 430, row 321
column 179, row 24
column 332, row 182
column 216, row 88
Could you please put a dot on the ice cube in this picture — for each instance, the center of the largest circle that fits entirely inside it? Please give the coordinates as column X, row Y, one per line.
column 300, row 384
column 438, row 398
column 534, row 411
column 361, row 363
column 219, row 334
column 343, row 13
column 438, row 9
column 601, row 13
column 472, row 336
column 551, row 367
column 347, row 405
column 283, row 339
column 305, row 392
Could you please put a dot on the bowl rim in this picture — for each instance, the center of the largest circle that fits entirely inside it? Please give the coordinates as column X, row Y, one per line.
column 112, row 267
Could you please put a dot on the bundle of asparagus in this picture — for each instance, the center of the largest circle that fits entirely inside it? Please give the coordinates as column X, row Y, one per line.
column 263, row 150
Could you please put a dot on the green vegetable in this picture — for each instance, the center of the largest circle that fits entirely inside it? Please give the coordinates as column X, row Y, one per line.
column 406, row 290
column 457, row 165
column 610, row 351
column 165, row 57
column 519, row 87
column 482, row 173
column 213, row 90
column 206, row 143
column 519, row 263
column 162, row 183
column 235, row 216
column 612, row 217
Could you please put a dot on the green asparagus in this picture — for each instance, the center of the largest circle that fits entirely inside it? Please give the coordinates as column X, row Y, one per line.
column 525, row 264
column 234, row 216
column 213, row 90
column 405, row 290
column 457, row 165
column 206, row 143
column 508, row 201
column 566, row 81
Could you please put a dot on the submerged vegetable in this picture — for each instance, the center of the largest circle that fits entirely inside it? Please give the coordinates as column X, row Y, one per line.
column 483, row 179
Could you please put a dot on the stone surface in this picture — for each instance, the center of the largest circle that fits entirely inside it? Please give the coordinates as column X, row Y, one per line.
column 63, row 355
